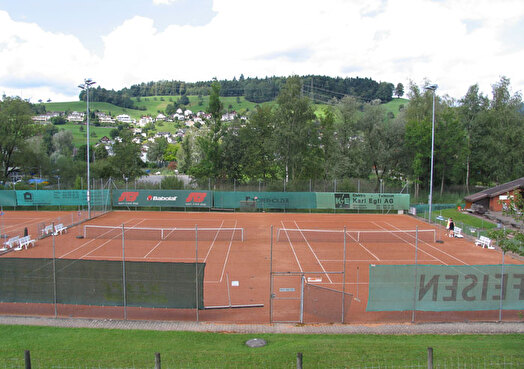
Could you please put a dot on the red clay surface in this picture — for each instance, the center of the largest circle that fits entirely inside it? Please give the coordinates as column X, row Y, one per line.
column 246, row 265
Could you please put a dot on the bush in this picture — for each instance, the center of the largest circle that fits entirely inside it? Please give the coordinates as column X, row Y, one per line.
column 172, row 183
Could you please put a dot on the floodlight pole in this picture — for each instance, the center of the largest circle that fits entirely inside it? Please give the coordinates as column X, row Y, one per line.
column 88, row 82
column 432, row 88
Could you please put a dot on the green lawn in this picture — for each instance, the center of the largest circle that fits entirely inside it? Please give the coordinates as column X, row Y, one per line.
column 111, row 348
column 79, row 137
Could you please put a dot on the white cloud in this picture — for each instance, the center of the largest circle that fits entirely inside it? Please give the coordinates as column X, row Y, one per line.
column 164, row 2
column 452, row 43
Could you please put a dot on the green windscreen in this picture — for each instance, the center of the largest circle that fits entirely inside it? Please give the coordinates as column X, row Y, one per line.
column 8, row 198
column 445, row 287
column 266, row 200
column 101, row 283
column 61, row 197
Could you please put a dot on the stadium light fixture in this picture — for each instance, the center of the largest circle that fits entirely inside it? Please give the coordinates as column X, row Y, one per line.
column 433, row 88
column 88, row 82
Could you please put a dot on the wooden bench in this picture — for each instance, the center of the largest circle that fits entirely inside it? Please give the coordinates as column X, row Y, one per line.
column 48, row 229
column 59, row 229
column 10, row 243
column 484, row 242
column 25, row 242
column 457, row 232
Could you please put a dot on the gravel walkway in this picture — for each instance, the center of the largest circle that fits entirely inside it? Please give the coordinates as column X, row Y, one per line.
column 426, row 328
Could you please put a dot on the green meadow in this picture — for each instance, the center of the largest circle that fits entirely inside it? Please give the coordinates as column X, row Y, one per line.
column 112, row 348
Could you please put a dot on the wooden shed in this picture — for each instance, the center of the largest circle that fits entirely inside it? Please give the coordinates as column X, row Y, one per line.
column 494, row 198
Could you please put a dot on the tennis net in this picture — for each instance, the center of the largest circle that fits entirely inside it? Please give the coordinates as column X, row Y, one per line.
column 330, row 235
column 167, row 234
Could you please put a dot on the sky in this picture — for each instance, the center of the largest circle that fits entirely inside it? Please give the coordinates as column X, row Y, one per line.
column 47, row 48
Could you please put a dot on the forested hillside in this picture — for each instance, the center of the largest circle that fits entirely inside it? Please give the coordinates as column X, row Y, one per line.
column 258, row 90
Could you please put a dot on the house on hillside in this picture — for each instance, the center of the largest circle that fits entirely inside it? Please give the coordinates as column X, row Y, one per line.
column 124, row 118
column 76, row 117
column 494, row 198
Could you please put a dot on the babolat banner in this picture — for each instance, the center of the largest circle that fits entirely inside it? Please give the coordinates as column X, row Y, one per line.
column 372, row 201
column 163, row 198
column 445, row 287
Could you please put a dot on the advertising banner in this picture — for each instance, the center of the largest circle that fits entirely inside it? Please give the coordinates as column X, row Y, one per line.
column 8, row 198
column 51, row 197
column 372, row 201
column 266, row 200
column 163, row 198
column 445, row 287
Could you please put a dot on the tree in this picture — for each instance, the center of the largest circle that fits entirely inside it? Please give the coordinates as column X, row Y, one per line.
column 399, row 90
column 15, row 126
column 258, row 161
column 382, row 141
column 126, row 162
column 472, row 106
column 293, row 128
column 157, row 149
column 63, row 142
column 59, row 120
column 210, row 164
column 510, row 240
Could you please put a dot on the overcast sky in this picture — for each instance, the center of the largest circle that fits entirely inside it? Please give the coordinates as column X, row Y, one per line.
column 48, row 47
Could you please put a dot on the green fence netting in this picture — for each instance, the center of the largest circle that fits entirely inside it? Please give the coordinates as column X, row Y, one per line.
column 445, row 287
column 265, row 200
column 61, row 197
column 7, row 198
column 101, row 283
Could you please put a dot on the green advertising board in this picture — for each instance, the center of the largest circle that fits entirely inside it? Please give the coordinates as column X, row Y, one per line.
column 7, row 198
column 163, row 198
column 61, row 197
column 445, row 287
column 372, row 201
column 266, row 200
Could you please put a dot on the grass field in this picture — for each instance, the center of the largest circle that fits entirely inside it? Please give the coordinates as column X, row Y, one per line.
column 111, row 348
column 156, row 104
column 79, row 137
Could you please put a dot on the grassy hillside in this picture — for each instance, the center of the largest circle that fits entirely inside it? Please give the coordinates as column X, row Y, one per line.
column 156, row 104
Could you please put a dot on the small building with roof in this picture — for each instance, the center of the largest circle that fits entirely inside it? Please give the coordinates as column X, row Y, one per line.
column 495, row 198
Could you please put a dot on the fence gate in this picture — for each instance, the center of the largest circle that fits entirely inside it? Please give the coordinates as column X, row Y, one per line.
column 287, row 297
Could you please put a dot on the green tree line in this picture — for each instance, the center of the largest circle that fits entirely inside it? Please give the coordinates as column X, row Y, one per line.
column 478, row 140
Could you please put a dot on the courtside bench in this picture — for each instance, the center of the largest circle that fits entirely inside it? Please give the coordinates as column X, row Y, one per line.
column 457, row 232
column 59, row 229
column 484, row 242
column 25, row 242
column 10, row 243
column 48, row 229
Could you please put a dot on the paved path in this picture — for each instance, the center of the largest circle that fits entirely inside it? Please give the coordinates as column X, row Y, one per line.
column 426, row 328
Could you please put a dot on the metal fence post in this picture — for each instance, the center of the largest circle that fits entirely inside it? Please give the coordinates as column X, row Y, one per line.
column 27, row 359
column 124, row 272
column 299, row 360
column 158, row 364
column 430, row 357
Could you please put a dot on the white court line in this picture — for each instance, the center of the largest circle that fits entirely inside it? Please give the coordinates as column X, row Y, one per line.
column 227, row 254
column 292, row 248
column 216, row 235
column 445, row 253
column 372, row 260
column 81, row 246
column 313, row 252
column 411, row 244
column 364, row 247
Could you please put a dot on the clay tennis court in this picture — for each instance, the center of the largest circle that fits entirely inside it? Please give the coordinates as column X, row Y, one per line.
column 238, row 283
